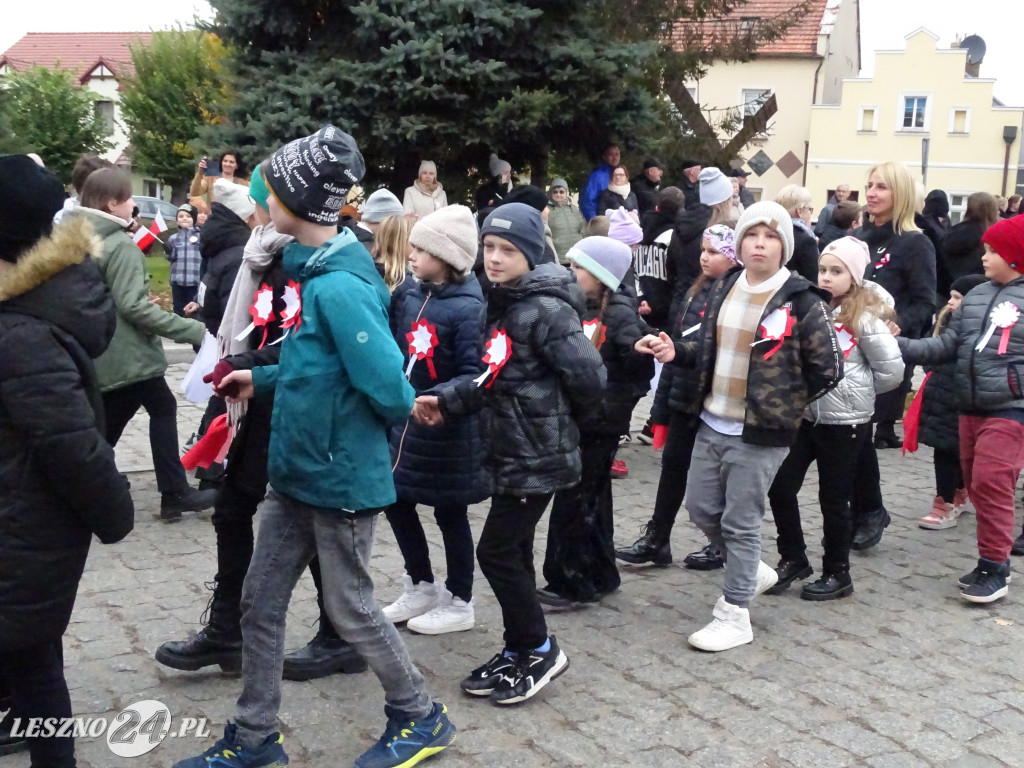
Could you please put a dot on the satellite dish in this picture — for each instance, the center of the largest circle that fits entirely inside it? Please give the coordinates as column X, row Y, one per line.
column 975, row 48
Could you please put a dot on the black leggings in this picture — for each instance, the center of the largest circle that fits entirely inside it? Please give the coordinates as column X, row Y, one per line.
column 453, row 520
column 35, row 678
column 675, row 464
column 949, row 476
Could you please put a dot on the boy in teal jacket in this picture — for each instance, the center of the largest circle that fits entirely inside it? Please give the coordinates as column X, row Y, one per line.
column 337, row 388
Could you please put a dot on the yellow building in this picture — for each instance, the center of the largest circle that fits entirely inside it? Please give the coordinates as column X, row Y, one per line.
column 920, row 94
column 805, row 66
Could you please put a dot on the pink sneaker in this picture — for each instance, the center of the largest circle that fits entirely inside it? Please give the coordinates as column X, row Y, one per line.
column 942, row 516
column 619, row 468
column 960, row 501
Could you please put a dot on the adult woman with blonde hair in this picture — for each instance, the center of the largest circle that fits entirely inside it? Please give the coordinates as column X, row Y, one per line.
column 797, row 202
column 426, row 194
column 962, row 249
column 902, row 261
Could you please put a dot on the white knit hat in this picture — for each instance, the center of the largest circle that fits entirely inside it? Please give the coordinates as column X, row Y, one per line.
column 606, row 259
column 448, row 234
column 234, row 197
column 497, row 166
column 772, row 214
column 715, row 186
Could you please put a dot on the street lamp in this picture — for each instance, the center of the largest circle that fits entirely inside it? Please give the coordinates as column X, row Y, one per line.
column 1009, row 136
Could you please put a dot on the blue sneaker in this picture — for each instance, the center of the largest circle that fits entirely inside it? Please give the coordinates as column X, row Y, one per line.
column 228, row 753
column 406, row 742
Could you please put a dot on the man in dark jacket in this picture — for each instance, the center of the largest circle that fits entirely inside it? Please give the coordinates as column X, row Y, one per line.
column 844, row 218
column 645, row 185
column 58, row 481
column 689, row 183
column 746, row 196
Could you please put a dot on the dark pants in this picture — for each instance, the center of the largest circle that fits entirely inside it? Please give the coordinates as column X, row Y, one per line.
column 453, row 520
column 35, row 678
column 215, row 406
column 867, row 491
column 232, row 521
column 949, row 476
column 505, row 552
column 835, row 448
column 120, row 405
column 889, row 406
column 182, row 295
column 580, row 558
column 675, row 464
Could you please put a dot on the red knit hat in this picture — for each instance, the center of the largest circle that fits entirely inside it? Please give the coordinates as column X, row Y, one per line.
column 1006, row 237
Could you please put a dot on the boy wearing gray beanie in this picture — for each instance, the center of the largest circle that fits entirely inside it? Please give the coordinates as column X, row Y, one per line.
column 766, row 347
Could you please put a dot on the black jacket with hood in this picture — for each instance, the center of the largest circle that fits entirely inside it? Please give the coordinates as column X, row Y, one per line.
column 554, row 374
column 684, row 255
column 650, row 266
column 58, row 481
column 222, row 245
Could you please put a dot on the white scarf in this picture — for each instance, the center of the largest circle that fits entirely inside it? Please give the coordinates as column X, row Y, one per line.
column 620, row 189
column 259, row 252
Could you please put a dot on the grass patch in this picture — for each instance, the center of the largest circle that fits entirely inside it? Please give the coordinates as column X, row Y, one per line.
column 159, row 269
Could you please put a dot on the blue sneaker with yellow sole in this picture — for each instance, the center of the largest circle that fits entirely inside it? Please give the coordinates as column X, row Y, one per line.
column 228, row 753
column 407, row 742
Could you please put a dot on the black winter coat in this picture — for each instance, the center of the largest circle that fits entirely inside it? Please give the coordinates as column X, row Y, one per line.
column 830, row 233
column 629, row 373
column 677, row 381
column 442, row 464
column 553, row 374
column 58, row 481
column 961, row 253
column 805, row 255
column 247, row 459
column 363, row 235
column 650, row 266
column 940, row 412
column 684, row 255
column 222, row 245
column 905, row 266
column 646, row 192
column 612, row 201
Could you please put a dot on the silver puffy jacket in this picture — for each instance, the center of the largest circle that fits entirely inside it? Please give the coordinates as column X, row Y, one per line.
column 873, row 366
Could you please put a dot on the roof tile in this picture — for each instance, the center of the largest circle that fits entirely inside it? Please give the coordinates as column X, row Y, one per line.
column 78, row 52
column 801, row 39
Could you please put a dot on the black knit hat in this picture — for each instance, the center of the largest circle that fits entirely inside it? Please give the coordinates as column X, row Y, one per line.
column 30, row 195
column 965, row 283
column 527, row 195
column 311, row 177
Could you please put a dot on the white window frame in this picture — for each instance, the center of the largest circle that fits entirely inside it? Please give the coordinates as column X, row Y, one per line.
column 957, row 211
column 860, row 119
column 952, row 121
column 902, row 107
column 109, row 121
column 750, row 106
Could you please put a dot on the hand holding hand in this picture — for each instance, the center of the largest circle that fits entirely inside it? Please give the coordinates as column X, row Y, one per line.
column 427, row 410
column 236, row 387
column 893, row 328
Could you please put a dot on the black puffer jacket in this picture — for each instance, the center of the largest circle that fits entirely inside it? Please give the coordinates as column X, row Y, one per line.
column 677, row 381
column 646, row 192
column 553, row 374
column 650, row 266
column 985, row 381
column 441, row 464
column 940, row 411
column 905, row 266
column 222, row 245
column 807, row 365
column 629, row 372
column 58, row 481
column 612, row 201
column 805, row 254
column 684, row 255
column 961, row 253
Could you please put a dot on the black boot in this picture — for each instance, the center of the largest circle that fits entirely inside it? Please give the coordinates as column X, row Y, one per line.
column 1018, row 545
column 885, row 436
column 869, row 529
column 789, row 571
column 707, row 559
column 11, row 744
column 652, row 547
column 188, row 500
column 218, row 643
column 326, row 654
column 831, row 586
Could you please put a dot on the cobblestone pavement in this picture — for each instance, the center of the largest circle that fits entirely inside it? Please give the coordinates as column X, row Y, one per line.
column 901, row 674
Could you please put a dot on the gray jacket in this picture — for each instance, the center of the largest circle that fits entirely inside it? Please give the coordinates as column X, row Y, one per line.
column 985, row 379
column 873, row 366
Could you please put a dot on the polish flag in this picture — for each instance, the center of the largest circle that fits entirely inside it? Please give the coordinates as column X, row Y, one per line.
column 145, row 237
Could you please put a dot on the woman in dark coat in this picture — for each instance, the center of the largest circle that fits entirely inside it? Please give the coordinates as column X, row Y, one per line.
column 962, row 249
column 58, row 481
column 618, row 194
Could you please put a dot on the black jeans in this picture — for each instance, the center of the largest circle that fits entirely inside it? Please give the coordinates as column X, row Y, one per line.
column 232, row 521
column 35, row 678
column 182, row 295
column 505, row 552
column 867, row 491
column 835, row 448
column 675, row 464
column 949, row 477
column 580, row 558
column 453, row 520
column 120, row 405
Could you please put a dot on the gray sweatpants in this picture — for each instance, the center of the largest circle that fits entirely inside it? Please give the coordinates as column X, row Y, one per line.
column 726, row 490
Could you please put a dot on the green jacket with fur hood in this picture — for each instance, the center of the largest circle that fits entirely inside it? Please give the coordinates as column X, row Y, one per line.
column 135, row 353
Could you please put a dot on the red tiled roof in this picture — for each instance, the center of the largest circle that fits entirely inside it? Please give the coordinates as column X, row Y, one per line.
column 801, row 39
column 78, row 52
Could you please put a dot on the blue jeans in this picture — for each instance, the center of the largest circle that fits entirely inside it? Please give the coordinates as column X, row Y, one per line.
column 290, row 533
column 726, row 490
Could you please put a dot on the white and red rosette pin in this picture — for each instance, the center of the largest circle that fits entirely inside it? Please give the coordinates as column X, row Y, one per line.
column 596, row 331
column 262, row 311
column 1004, row 316
column 422, row 341
column 496, row 354
column 847, row 341
column 777, row 327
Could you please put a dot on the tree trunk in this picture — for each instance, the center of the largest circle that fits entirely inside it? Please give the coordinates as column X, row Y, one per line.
column 179, row 192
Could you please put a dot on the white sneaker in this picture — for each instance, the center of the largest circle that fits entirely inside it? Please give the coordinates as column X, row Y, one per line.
column 451, row 614
column 729, row 628
column 415, row 600
column 767, row 578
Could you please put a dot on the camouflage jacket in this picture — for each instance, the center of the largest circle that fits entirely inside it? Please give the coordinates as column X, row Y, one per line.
column 808, row 363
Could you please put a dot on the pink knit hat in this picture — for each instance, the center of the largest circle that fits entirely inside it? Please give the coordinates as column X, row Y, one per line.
column 853, row 253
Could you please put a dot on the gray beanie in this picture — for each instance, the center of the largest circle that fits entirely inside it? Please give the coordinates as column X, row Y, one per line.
column 776, row 217
column 559, row 182
column 522, row 226
column 381, row 204
column 497, row 166
column 606, row 259
column 448, row 234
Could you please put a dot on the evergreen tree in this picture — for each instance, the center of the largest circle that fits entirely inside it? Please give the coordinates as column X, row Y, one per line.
column 47, row 113
column 177, row 81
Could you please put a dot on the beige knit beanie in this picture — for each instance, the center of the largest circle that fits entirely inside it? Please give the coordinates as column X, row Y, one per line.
column 448, row 234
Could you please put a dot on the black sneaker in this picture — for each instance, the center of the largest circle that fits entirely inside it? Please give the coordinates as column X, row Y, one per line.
column 707, row 559
column 968, row 578
column 483, row 680
column 989, row 583
column 530, row 674
column 188, row 500
column 868, row 532
column 831, row 586
column 547, row 596
column 1018, row 546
